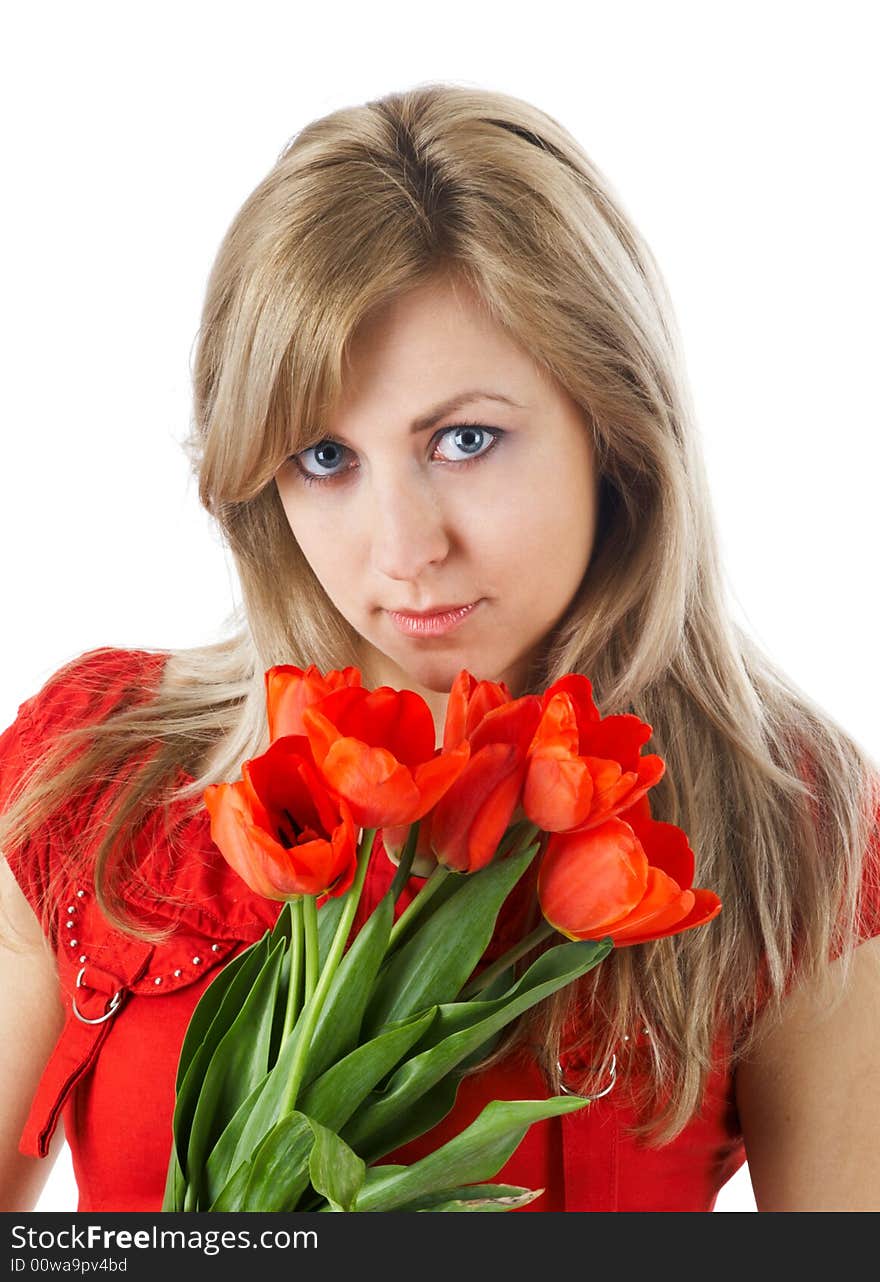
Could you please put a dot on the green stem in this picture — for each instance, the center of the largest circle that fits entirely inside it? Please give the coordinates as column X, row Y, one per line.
column 518, row 836
column 522, row 834
column 310, row 930
column 401, row 877
column 485, row 977
column 412, row 910
column 294, row 1001
column 312, row 1008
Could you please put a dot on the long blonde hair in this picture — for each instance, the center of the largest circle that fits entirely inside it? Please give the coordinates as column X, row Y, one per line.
column 777, row 799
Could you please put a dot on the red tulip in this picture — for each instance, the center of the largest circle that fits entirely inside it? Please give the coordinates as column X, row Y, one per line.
column 469, row 821
column 624, row 878
column 583, row 769
column 280, row 829
column 376, row 749
column 464, row 829
column 290, row 689
column 395, row 838
column 468, row 703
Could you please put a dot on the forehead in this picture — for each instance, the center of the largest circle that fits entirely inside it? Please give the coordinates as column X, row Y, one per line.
column 427, row 353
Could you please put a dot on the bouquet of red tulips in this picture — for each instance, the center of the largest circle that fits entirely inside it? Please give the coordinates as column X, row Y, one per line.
column 312, row 1055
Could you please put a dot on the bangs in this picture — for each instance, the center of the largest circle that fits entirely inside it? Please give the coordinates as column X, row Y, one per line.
column 283, row 378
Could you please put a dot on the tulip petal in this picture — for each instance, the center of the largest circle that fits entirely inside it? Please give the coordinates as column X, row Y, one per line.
column 321, row 734
column 455, row 723
column 470, row 819
column 493, row 819
column 558, row 792
column 611, row 786
column 579, row 689
column 434, row 777
column 616, row 790
column 557, row 731
column 618, row 737
column 706, row 905
column 663, row 904
column 287, row 783
column 289, row 690
column 512, row 722
column 486, row 698
column 376, row 786
column 270, row 869
column 249, row 850
column 589, row 880
column 398, row 720
column 666, row 845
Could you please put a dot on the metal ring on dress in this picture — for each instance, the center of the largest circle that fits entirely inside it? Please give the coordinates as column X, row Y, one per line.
column 613, row 1071
column 111, row 1008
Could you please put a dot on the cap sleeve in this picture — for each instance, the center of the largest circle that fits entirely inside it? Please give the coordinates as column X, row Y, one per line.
column 82, row 692
column 17, row 750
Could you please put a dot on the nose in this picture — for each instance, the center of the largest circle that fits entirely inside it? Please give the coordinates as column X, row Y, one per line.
column 408, row 530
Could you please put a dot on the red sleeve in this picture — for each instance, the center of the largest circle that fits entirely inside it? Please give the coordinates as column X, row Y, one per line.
column 81, row 692
column 28, row 862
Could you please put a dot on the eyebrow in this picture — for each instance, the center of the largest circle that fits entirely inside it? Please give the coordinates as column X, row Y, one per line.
column 432, row 416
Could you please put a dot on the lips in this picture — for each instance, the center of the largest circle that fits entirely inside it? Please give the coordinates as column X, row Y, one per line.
column 435, row 609
column 435, row 624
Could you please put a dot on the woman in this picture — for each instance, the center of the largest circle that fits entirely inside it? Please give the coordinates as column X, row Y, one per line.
column 438, row 367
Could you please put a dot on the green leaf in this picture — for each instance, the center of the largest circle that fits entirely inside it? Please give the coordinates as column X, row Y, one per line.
column 232, row 1194
column 252, row 1120
column 475, row 1197
column 283, row 926
column 215, row 1012
column 238, row 1063
column 450, row 886
column 442, row 953
column 338, row 1026
column 389, row 1119
column 429, row 1108
column 499, row 985
column 476, row 1154
column 331, row 1098
column 335, row 1095
column 208, row 1006
column 328, row 919
column 279, row 1171
column 175, row 1184
column 404, row 866
column 559, row 965
column 335, row 1171
column 280, row 1006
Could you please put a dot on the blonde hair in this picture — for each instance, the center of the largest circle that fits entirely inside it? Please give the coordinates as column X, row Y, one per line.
column 777, row 799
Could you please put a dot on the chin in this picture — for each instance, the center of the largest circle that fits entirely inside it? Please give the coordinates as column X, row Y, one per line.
column 437, row 677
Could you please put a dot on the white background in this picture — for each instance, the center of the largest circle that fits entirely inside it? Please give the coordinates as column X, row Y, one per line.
column 740, row 138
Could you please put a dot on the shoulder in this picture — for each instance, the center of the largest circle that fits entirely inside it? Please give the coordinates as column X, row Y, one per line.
column 806, row 1095
column 91, row 684
column 81, row 692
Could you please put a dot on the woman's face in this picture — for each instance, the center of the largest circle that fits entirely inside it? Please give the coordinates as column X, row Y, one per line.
column 410, row 516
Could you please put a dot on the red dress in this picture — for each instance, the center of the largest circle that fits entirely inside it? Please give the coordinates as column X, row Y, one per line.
column 113, row 1081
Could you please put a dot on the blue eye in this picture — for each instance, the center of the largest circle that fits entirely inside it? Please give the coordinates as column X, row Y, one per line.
column 468, row 429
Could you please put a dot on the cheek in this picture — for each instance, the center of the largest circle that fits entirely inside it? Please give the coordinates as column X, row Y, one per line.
column 321, row 537
column 550, row 522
